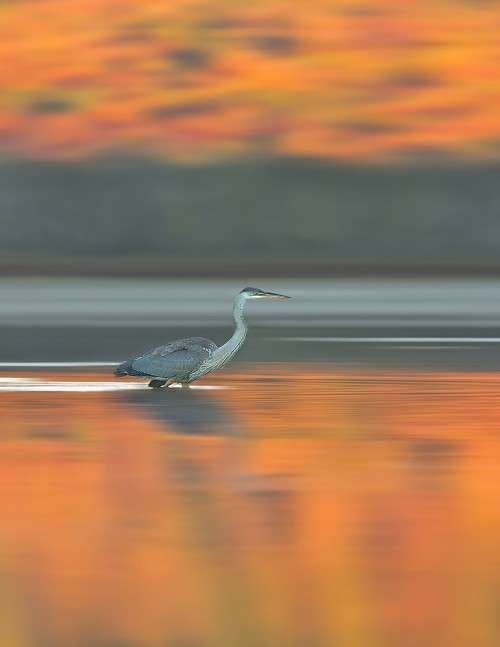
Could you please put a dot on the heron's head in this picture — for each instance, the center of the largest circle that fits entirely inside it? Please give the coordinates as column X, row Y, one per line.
column 256, row 293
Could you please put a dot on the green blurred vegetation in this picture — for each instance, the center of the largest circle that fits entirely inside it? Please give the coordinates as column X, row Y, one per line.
column 291, row 216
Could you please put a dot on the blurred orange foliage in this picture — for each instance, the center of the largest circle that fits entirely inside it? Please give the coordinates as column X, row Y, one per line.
column 194, row 79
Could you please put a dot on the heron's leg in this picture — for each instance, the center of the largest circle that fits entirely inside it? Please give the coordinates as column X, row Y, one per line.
column 157, row 384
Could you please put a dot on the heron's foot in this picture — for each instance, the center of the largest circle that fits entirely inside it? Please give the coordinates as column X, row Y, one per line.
column 157, row 384
column 175, row 384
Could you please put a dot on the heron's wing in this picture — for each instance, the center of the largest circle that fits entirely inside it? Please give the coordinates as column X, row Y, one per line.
column 177, row 359
column 177, row 364
column 187, row 343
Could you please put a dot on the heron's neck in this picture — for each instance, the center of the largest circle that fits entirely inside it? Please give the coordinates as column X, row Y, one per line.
column 225, row 352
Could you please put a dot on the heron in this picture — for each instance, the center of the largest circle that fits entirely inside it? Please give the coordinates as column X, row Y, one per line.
column 184, row 360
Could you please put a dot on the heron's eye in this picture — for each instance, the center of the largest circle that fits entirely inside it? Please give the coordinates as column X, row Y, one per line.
column 251, row 292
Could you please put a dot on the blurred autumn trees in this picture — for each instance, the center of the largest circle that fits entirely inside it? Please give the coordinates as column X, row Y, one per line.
column 365, row 133
column 196, row 79
column 143, row 215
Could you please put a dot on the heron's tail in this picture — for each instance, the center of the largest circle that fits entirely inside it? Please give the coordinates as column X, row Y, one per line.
column 122, row 369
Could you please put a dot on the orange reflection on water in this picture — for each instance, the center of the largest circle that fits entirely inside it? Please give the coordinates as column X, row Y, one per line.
column 298, row 507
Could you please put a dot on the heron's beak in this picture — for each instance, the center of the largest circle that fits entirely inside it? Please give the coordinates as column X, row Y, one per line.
column 275, row 295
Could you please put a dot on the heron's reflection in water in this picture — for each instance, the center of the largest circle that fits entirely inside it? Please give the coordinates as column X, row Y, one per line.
column 187, row 411
column 195, row 412
column 187, row 415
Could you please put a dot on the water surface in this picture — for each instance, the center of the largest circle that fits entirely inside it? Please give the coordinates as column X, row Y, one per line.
column 338, row 484
column 292, row 505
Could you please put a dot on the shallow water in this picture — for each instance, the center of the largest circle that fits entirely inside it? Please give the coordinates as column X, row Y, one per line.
column 290, row 504
column 337, row 484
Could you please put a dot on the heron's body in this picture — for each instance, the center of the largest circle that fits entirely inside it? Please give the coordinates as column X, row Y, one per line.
column 185, row 360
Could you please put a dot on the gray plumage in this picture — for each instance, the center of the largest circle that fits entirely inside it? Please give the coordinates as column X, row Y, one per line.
column 184, row 360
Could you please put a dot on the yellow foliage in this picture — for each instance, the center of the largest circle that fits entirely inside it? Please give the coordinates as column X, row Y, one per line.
column 326, row 78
